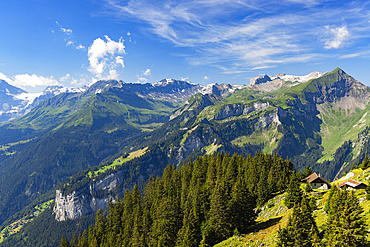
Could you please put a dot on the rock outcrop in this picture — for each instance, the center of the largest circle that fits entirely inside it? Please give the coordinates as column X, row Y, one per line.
column 78, row 203
column 239, row 109
column 259, row 79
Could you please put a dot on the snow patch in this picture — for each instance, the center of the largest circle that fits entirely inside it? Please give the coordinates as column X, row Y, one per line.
column 30, row 97
column 300, row 79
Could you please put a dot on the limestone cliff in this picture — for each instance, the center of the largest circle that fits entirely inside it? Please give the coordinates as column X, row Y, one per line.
column 239, row 109
column 79, row 203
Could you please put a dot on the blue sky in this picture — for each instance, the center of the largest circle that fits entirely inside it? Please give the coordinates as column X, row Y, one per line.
column 73, row 43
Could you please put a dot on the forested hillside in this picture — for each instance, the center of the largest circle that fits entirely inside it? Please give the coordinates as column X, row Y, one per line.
column 218, row 197
column 204, row 202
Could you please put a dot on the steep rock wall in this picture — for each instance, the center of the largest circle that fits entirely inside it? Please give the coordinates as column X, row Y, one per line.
column 239, row 109
column 79, row 204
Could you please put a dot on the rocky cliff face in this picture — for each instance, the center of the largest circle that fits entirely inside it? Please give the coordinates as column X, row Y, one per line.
column 239, row 109
column 79, row 204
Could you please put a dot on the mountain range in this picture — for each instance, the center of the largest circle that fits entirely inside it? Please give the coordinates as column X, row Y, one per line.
column 84, row 148
column 15, row 102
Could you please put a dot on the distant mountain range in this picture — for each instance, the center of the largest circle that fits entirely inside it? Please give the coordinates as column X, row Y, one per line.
column 93, row 144
column 15, row 102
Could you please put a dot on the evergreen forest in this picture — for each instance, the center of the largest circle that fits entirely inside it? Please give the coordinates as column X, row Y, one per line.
column 206, row 201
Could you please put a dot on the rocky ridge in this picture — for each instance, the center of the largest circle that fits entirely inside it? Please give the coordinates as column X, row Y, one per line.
column 268, row 84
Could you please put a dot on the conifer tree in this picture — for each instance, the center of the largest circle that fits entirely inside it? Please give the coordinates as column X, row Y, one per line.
column 307, row 171
column 329, row 201
column 217, row 226
column 241, row 207
column 96, row 233
column 188, row 235
column 82, row 239
column 74, row 241
column 294, row 192
column 345, row 225
column 64, row 242
column 263, row 193
column 366, row 162
column 301, row 229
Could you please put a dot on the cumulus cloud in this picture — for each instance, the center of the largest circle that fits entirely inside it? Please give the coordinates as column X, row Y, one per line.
column 206, row 78
column 119, row 60
column 104, row 57
column 34, row 80
column 339, row 35
column 4, row 77
column 147, row 72
column 142, row 80
column 26, row 80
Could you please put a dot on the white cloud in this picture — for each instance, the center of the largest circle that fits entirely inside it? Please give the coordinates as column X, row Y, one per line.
column 339, row 35
column 68, row 37
column 104, row 56
column 65, row 78
column 206, row 78
column 34, row 80
column 26, row 80
column 147, row 72
column 79, row 47
column 184, row 78
column 64, row 30
column 307, row 3
column 263, row 67
column 142, row 80
column 75, row 82
column 128, row 33
column 119, row 60
column 4, row 77
column 241, row 35
column 350, row 55
column 67, row 31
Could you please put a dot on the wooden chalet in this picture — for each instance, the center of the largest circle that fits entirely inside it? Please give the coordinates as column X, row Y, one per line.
column 317, row 182
column 352, row 185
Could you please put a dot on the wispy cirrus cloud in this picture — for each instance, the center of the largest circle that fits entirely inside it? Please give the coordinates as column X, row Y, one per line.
column 240, row 35
column 68, row 37
column 349, row 55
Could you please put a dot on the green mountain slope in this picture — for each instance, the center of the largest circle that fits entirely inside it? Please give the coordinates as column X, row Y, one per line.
column 67, row 134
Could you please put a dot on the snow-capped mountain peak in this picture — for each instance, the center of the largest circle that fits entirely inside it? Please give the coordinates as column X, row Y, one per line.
column 15, row 102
